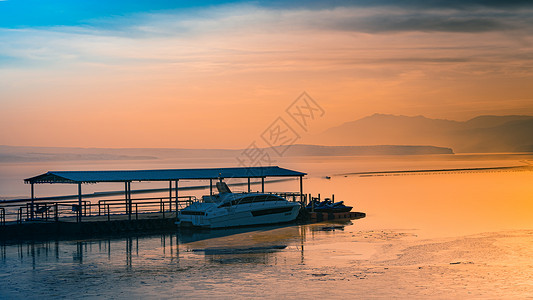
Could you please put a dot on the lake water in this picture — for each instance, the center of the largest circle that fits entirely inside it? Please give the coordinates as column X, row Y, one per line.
column 431, row 235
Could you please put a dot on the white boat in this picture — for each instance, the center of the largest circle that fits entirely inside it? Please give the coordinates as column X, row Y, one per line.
column 228, row 209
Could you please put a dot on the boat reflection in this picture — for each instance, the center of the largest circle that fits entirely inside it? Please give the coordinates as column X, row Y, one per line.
column 256, row 245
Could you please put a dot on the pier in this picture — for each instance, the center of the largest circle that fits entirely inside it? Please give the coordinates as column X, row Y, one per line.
column 87, row 215
column 91, row 214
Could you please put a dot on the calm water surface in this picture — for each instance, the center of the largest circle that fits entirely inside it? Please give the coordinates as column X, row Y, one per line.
column 437, row 235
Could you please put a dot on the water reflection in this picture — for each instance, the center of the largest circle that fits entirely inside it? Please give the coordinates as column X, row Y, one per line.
column 254, row 245
column 238, row 262
column 257, row 245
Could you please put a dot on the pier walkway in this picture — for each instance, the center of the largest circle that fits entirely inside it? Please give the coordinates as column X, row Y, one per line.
column 35, row 217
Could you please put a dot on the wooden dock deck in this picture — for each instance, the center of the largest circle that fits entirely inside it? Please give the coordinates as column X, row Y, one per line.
column 90, row 226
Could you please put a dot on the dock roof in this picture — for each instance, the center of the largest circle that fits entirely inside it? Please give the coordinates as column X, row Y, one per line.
column 160, row 175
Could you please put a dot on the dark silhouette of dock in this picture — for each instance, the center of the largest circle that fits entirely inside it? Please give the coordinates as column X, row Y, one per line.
column 62, row 216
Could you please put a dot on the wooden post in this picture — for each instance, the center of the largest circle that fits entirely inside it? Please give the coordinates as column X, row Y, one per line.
column 129, row 197
column 32, row 201
column 126, row 196
column 262, row 184
column 128, row 201
column 79, row 202
column 170, row 193
column 301, row 190
column 249, row 188
column 176, row 200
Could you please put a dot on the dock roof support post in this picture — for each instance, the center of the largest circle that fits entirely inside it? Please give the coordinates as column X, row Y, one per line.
column 302, row 190
column 262, row 184
column 79, row 203
column 177, row 200
column 170, row 194
column 249, row 188
column 129, row 198
column 129, row 206
column 210, row 187
column 125, row 196
column 32, row 202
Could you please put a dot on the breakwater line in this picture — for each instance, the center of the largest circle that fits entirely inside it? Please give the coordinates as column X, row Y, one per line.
column 433, row 171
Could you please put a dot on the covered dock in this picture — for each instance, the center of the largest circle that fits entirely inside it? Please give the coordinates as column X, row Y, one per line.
column 125, row 209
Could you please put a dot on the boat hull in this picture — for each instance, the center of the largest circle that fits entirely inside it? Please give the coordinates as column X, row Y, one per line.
column 244, row 215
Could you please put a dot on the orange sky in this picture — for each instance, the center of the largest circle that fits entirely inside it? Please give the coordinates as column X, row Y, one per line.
column 216, row 78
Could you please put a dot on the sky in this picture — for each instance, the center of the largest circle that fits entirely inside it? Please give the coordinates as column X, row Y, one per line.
column 220, row 74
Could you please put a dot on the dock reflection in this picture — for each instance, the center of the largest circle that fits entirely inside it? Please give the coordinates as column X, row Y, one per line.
column 255, row 245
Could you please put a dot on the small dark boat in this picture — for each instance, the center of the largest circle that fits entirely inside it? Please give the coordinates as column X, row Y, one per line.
column 328, row 206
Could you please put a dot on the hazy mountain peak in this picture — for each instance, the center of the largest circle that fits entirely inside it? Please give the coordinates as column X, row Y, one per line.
column 480, row 134
column 486, row 121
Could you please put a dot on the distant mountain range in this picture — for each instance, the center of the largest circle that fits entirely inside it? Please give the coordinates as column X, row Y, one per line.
column 378, row 134
column 480, row 134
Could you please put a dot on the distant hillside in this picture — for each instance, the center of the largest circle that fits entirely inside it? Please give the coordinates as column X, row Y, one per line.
column 30, row 154
column 480, row 134
column 34, row 154
column 314, row 150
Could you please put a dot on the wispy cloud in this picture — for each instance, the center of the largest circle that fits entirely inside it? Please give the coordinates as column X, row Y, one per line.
column 233, row 32
column 411, row 4
column 372, row 19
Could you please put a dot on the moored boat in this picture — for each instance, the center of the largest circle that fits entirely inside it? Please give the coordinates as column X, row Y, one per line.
column 328, row 206
column 227, row 209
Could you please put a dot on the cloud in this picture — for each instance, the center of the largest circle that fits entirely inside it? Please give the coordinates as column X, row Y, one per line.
column 254, row 37
column 426, row 23
column 404, row 4
column 363, row 18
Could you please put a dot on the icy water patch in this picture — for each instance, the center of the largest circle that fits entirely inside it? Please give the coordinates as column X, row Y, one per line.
column 286, row 262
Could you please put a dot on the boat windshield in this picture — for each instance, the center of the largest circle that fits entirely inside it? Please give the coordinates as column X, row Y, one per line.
column 252, row 199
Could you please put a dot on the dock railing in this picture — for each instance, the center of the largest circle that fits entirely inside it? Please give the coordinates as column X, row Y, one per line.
column 106, row 209
column 44, row 211
column 292, row 196
column 157, row 204
column 67, row 210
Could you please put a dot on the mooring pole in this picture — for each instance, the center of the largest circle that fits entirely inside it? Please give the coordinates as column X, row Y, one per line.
column 262, row 184
column 79, row 202
column 249, row 188
column 210, row 187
